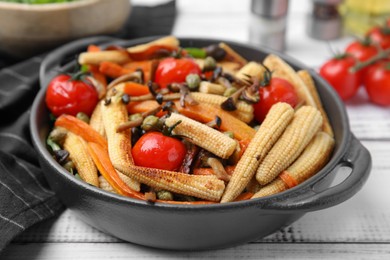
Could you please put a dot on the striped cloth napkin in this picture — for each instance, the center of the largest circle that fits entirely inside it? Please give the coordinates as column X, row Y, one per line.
column 25, row 197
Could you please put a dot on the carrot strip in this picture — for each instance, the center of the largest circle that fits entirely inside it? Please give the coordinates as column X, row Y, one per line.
column 244, row 196
column 102, row 160
column 113, row 70
column 288, row 179
column 206, row 113
column 145, row 65
column 93, row 48
column 144, row 106
column 80, row 128
column 135, row 89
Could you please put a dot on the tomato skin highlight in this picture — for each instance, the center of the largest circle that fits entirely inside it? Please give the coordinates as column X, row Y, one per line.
column 336, row 72
column 377, row 83
column 65, row 95
column 171, row 70
column 155, row 150
column 278, row 90
column 381, row 35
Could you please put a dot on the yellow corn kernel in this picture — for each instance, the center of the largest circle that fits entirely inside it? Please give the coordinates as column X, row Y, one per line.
column 202, row 135
column 308, row 80
column 104, row 185
column 119, row 143
column 133, row 184
column 306, row 123
column 312, row 159
column 251, row 70
column 211, row 88
column 96, row 121
column 207, row 187
column 282, row 70
column 95, row 58
column 244, row 111
column 272, row 127
column 78, row 153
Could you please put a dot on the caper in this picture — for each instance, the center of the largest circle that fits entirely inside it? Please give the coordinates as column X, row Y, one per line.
column 83, row 117
column 193, row 81
column 150, row 123
column 209, row 63
column 229, row 91
column 57, row 135
column 164, row 195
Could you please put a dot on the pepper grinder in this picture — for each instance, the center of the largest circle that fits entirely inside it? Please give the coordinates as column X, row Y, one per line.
column 268, row 23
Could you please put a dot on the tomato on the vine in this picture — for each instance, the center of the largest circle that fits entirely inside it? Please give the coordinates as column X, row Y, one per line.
column 155, row 150
column 276, row 90
column 171, row 70
column 362, row 50
column 70, row 95
column 337, row 72
column 381, row 35
column 377, row 83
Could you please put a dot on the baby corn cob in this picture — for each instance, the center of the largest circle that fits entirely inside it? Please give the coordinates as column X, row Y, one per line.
column 206, row 137
column 207, row 187
column 282, row 70
column 232, row 55
column 312, row 159
column 96, row 121
column 95, row 58
column 78, row 153
column 308, row 80
column 306, row 123
column 119, row 144
column 272, row 127
column 104, row 185
column 244, row 110
column 129, row 181
column 169, row 41
column 251, row 69
column 211, row 88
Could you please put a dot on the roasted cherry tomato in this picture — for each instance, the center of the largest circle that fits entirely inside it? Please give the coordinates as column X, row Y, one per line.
column 171, row 70
column 381, row 35
column 277, row 90
column 377, row 83
column 155, row 150
column 68, row 95
column 337, row 72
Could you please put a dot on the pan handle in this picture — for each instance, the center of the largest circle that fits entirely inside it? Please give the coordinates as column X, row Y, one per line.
column 51, row 65
column 357, row 158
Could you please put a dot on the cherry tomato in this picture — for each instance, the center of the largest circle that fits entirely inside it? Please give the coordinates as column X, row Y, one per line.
column 66, row 95
column 155, row 150
column 171, row 70
column 278, row 90
column 381, row 35
column 377, row 83
column 336, row 72
column 362, row 50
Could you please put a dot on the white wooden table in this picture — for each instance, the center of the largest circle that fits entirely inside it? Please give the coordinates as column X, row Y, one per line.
column 356, row 229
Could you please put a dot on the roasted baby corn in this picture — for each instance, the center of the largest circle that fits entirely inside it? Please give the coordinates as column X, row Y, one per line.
column 169, row 41
column 312, row 159
column 95, row 58
column 96, row 121
column 282, row 70
column 104, row 185
column 211, row 88
column 306, row 123
column 272, row 127
column 308, row 80
column 207, row 187
column 119, row 143
column 251, row 70
column 244, row 110
column 202, row 135
column 78, row 153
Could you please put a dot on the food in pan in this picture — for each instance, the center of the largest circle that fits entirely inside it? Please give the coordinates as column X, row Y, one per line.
column 181, row 125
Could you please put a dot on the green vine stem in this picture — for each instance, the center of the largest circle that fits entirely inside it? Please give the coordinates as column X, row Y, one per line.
column 382, row 54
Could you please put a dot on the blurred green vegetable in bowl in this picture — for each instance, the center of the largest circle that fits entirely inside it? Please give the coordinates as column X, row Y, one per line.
column 29, row 29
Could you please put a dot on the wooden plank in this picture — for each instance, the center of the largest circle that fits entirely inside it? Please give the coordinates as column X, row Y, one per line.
column 97, row 251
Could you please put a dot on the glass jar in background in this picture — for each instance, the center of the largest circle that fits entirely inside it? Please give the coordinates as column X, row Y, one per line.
column 361, row 15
